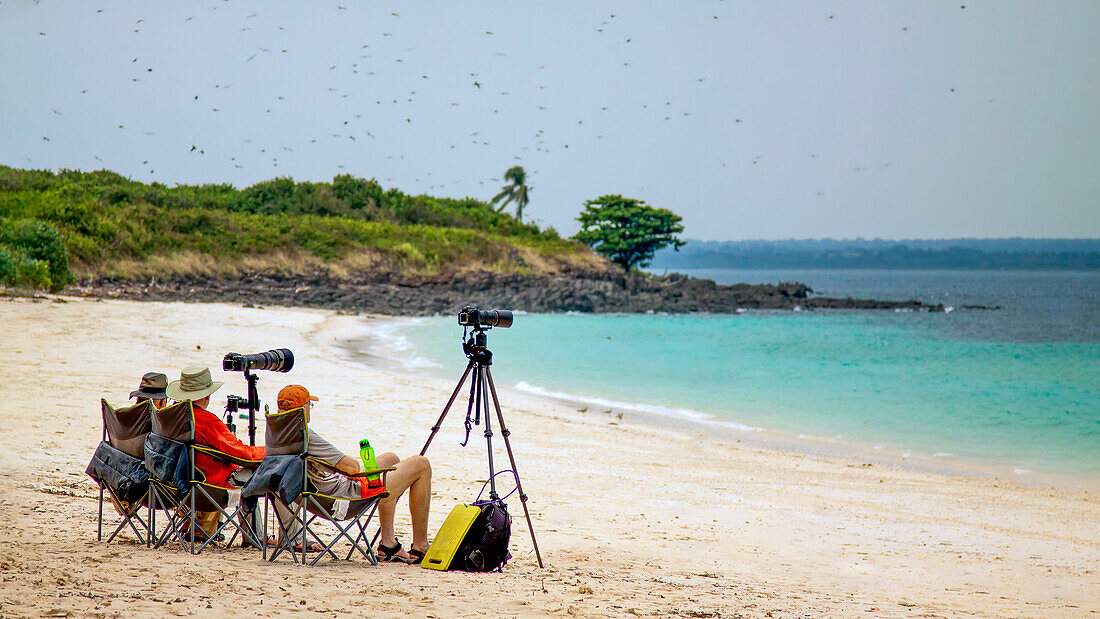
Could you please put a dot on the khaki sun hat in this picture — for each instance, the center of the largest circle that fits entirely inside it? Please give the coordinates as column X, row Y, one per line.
column 194, row 384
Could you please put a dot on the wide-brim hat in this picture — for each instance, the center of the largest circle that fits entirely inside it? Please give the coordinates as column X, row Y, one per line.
column 152, row 386
column 194, row 384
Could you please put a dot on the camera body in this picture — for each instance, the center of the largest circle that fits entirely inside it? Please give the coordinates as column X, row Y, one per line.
column 235, row 403
column 276, row 360
column 476, row 318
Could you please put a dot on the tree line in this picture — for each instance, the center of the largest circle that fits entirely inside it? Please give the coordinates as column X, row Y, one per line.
column 48, row 220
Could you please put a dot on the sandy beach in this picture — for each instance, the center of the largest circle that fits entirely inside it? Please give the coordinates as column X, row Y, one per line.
column 631, row 519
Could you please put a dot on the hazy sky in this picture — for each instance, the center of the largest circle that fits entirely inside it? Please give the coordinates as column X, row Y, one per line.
column 750, row 119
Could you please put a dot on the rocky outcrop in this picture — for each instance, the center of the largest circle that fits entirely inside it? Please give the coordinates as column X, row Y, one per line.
column 598, row 292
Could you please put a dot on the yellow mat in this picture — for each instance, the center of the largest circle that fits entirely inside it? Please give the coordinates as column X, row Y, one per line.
column 446, row 543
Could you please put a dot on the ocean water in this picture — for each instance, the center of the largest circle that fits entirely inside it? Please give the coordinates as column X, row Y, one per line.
column 1017, row 388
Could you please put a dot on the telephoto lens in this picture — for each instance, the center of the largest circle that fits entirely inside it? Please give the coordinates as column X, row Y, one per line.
column 277, row 360
column 495, row 318
column 477, row 318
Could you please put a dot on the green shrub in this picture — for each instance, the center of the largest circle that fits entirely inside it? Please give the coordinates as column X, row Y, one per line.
column 40, row 255
column 7, row 268
column 31, row 273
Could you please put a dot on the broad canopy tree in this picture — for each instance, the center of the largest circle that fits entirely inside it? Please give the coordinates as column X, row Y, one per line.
column 627, row 231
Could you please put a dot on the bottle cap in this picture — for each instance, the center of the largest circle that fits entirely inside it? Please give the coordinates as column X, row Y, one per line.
column 363, row 444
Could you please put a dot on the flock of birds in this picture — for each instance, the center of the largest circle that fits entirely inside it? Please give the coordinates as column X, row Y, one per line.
column 354, row 78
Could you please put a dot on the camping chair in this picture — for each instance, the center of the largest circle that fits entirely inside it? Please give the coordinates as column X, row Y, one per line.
column 118, row 465
column 177, row 483
column 283, row 477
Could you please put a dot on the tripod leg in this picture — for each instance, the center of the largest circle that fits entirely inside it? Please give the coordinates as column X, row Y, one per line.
column 454, row 394
column 508, row 445
column 483, row 402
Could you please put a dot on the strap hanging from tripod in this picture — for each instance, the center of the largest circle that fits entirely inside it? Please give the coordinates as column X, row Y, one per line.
column 472, row 408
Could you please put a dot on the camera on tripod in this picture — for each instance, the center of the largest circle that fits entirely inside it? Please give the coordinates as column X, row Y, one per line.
column 276, row 360
column 482, row 390
column 235, row 403
column 470, row 316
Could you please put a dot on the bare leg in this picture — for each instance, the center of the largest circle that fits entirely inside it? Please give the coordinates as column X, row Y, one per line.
column 415, row 475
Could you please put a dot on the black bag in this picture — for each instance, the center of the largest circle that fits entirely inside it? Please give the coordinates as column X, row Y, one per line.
column 283, row 475
column 485, row 547
column 119, row 471
column 170, row 462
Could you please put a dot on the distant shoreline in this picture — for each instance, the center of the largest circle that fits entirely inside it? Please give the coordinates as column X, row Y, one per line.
column 954, row 254
column 589, row 292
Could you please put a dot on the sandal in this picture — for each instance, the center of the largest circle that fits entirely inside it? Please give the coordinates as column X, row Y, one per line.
column 417, row 556
column 389, row 553
column 310, row 547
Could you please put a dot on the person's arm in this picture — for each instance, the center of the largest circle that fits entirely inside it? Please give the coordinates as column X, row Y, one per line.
column 209, row 430
column 328, row 453
column 350, row 465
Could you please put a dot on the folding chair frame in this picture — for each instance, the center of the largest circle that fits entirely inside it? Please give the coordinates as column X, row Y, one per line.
column 164, row 497
column 200, row 491
column 305, row 516
column 128, row 515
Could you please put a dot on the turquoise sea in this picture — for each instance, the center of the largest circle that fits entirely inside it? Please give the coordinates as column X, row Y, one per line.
column 1016, row 388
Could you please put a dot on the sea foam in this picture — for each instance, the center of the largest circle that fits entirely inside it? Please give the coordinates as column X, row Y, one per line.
column 677, row 413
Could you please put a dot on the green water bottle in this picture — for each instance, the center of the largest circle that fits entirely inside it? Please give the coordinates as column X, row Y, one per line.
column 366, row 452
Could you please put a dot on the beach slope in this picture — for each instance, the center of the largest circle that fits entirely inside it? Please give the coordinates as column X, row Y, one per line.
column 630, row 519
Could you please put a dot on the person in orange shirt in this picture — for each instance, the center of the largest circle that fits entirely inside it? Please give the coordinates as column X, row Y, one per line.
column 196, row 385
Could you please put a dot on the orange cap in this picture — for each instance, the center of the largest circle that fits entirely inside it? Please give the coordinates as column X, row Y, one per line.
column 293, row 396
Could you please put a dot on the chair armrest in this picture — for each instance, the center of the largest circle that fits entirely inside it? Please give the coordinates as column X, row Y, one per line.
column 224, row 457
column 372, row 472
column 329, row 467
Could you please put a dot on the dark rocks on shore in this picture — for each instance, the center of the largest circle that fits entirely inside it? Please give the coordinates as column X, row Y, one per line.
column 598, row 292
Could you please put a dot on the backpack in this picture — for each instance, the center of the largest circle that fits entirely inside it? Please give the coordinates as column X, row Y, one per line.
column 485, row 547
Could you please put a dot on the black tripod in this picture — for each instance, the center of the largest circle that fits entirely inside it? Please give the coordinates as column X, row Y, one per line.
column 480, row 359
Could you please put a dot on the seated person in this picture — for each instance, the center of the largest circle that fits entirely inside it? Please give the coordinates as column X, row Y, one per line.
column 196, row 385
column 152, row 388
column 413, row 474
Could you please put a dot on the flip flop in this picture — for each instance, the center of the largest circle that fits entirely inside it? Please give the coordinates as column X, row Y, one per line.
column 389, row 553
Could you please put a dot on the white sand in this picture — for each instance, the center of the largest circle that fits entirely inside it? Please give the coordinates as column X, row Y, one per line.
column 630, row 519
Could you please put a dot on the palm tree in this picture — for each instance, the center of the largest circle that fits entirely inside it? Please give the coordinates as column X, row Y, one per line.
column 517, row 191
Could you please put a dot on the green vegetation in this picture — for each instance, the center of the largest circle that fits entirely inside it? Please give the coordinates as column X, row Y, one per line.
column 33, row 255
column 107, row 225
column 627, row 231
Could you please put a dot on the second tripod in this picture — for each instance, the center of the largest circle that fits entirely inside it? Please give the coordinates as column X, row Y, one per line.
column 481, row 388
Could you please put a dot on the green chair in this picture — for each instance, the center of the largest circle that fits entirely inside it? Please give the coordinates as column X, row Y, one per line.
column 287, row 457
column 179, row 488
column 118, row 466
